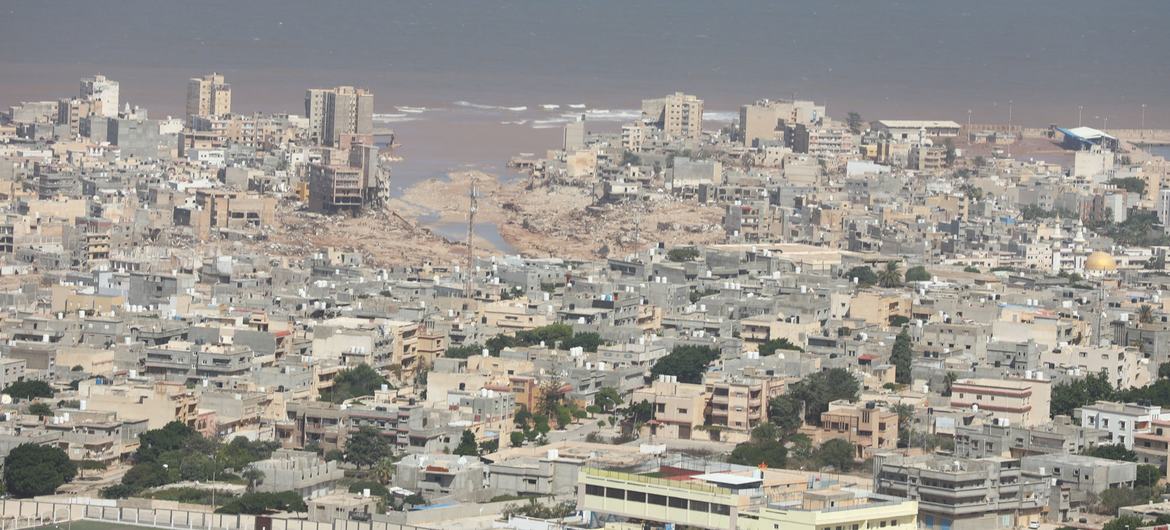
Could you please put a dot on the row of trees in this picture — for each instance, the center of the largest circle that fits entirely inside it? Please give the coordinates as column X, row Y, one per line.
column 1069, row 395
column 891, row 276
column 550, row 335
column 358, row 381
column 177, row 453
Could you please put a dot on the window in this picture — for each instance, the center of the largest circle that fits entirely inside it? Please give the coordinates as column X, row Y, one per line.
column 720, row 509
column 660, row 500
column 635, row 496
column 700, row 506
column 615, row 493
column 883, row 525
column 591, row 489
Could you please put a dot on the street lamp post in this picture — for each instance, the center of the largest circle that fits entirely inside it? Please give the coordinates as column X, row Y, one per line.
column 1143, row 119
column 1080, row 110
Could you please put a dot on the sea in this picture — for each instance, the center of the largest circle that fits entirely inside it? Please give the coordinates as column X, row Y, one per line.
column 468, row 84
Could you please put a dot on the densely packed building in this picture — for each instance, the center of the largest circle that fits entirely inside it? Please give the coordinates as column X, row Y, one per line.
column 927, row 332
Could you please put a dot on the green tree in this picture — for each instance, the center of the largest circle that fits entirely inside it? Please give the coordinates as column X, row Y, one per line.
column 951, row 154
column 29, row 390
column 838, row 453
column 1110, row 500
column 753, row 452
column 1164, row 370
column 367, row 447
column 638, row 413
column 31, row 470
column 240, row 452
column 686, row 362
column 607, row 398
column 463, row 352
column 853, row 120
column 890, row 276
column 905, row 414
column 175, row 437
column 819, row 389
column 360, row 380
column 262, row 503
column 784, row 412
column 1145, row 314
column 41, row 409
column 1125, row 522
column 517, row 438
column 683, row 254
column 1131, row 184
column 467, row 445
column 901, row 356
column 564, row 417
column 550, row 335
column 864, row 276
column 1147, row 476
column 253, row 477
column 383, row 471
column 144, row 475
column 782, row 343
column 1067, row 396
column 949, row 383
column 587, row 341
column 1112, row 452
column 917, row 274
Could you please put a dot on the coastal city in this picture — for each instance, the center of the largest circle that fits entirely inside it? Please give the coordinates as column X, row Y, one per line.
column 789, row 317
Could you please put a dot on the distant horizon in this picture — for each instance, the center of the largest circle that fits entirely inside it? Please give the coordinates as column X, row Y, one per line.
column 884, row 60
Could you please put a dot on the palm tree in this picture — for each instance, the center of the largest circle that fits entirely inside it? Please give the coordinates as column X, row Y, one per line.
column 1145, row 314
column 890, row 276
column 383, row 471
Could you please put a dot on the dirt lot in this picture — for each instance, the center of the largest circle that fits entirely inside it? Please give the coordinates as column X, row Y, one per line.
column 540, row 222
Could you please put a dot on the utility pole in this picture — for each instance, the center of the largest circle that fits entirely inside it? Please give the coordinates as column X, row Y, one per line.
column 968, row 126
column 1009, row 115
column 1080, row 110
column 472, row 206
column 1143, row 119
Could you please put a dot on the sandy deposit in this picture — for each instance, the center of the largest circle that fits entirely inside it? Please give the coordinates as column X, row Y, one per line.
column 539, row 222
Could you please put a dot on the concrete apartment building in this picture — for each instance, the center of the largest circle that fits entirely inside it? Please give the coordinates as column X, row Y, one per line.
column 1023, row 402
column 1005, row 440
column 439, row 476
column 1153, row 446
column 719, row 410
column 301, row 471
column 765, row 120
column 1086, row 476
column 964, row 494
column 345, row 180
column 1123, row 421
column 679, row 115
column 739, row 497
column 208, row 96
column 336, row 113
column 870, row 428
column 99, row 88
